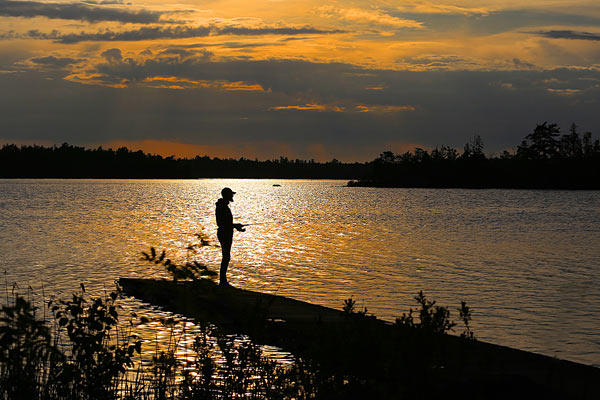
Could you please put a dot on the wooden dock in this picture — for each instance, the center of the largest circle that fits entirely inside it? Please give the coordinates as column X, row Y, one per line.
column 371, row 349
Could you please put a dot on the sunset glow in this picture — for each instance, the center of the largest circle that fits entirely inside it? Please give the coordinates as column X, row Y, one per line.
column 293, row 76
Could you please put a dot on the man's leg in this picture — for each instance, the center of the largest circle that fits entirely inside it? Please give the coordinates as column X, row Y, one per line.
column 226, row 253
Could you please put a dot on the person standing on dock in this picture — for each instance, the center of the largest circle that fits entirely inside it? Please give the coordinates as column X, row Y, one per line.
column 225, row 231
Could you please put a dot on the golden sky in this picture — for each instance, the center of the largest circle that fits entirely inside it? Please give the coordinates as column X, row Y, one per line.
column 309, row 79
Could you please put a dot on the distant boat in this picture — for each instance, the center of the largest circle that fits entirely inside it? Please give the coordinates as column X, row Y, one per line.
column 276, row 185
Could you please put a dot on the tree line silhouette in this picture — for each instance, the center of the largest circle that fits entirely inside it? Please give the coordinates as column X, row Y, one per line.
column 545, row 159
column 67, row 161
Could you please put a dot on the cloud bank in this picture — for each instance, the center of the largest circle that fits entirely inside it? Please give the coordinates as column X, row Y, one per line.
column 568, row 34
column 375, row 17
column 171, row 32
column 76, row 11
column 191, row 96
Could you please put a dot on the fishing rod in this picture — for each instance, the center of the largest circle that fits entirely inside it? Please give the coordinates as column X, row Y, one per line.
column 250, row 224
column 265, row 223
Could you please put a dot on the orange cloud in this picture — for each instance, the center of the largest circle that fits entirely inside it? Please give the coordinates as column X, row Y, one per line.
column 431, row 8
column 361, row 108
column 166, row 82
column 311, row 107
column 189, row 83
column 367, row 16
column 173, row 79
column 95, row 79
column 242, row 86
column 383, row 108
column 564, row 92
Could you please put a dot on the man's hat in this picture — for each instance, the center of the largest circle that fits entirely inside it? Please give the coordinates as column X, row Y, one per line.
column 227, row 191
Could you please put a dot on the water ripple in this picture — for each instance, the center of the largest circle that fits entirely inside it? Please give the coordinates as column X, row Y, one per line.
column 527, row 262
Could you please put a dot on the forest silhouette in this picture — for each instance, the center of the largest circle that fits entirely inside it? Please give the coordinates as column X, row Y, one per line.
column 545, row 159
column 68, row 161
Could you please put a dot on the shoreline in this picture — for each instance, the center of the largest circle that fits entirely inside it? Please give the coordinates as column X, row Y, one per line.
column 384, row 185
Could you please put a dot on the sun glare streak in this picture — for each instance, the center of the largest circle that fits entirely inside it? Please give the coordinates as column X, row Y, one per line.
column 311, row 107
column 383, row 108
column 361, row 108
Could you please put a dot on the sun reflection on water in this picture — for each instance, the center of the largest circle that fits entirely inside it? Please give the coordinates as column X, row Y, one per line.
column 519, row 258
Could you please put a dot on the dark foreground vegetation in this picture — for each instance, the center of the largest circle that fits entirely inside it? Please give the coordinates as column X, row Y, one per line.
column 77, row 349
column 81, row 348
column 544, row 160
column 81, row 351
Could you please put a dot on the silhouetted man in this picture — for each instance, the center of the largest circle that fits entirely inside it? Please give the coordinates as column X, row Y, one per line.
column 225, row 231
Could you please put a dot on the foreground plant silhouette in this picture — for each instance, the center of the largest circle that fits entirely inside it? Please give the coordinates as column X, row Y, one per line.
column 97, row 355
column 82, row 355
column 190, row 269
column 435, row 319
column 26, row 352
column 350, row 308
column 83, row 352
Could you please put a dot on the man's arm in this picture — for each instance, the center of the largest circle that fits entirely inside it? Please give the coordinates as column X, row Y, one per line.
column 239, row 227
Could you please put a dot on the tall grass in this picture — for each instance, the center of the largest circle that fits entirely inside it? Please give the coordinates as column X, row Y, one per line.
column 81, row 352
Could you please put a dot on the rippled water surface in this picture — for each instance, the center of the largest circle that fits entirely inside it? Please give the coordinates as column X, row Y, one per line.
column 527, row 262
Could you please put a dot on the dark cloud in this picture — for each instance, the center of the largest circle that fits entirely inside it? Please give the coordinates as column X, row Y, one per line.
column 306, row 30
column 496, row 22
column 429, row 60
column 239, row 45
column 171, row 32
column 568, row 35
column 145, row 33
column 521, row 64
column 75, row 11
column 286, row 76
column 435, row 61
column 55, row 62
column 105, row 2
column 10, row 35
column 330, row 82
column 178, row 52
column 112, row 55
column 232, row 45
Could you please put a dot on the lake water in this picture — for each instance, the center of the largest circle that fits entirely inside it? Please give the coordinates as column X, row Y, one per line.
column 527, row 262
